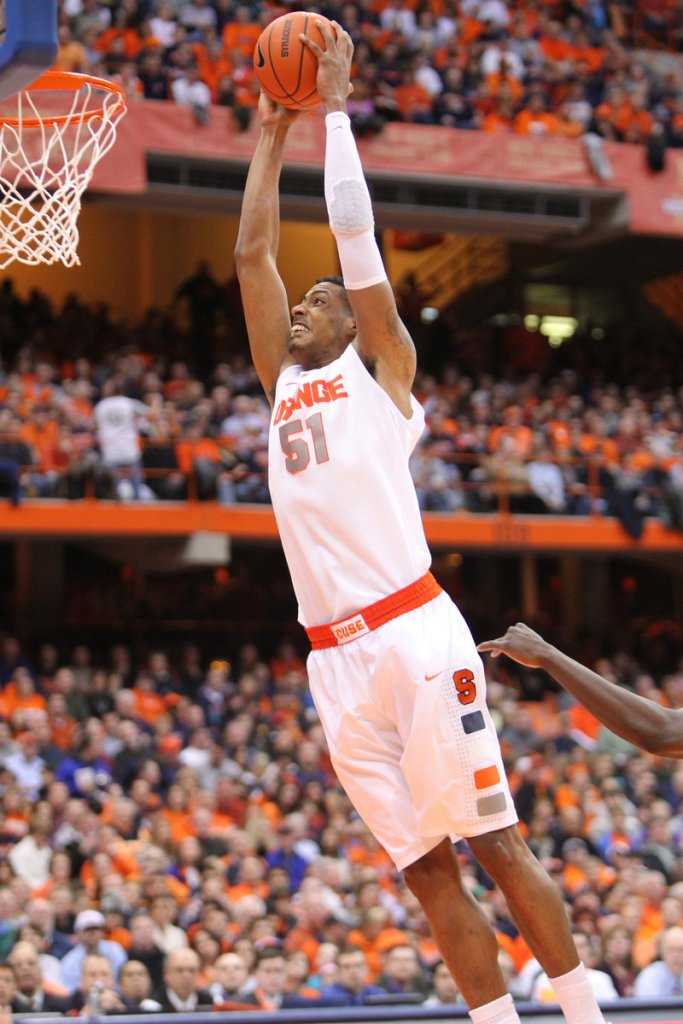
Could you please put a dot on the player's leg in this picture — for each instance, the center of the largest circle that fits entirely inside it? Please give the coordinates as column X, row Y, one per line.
column 536, row 906
column 367, row 749
column 465, row 938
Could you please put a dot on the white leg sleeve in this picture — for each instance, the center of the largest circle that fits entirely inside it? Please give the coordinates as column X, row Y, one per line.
column 349, row 207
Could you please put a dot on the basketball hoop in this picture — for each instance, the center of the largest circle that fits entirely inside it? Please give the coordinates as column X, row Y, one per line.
column 47, row 159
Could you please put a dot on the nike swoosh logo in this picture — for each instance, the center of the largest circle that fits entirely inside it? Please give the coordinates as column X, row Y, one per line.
column 428, row 679
column 261, row 58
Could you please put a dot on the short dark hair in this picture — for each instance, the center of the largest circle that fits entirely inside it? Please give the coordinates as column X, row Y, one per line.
column 349, row 950
column 7, row 966
column 270, row 953
column 333, row 279
column 338, row 281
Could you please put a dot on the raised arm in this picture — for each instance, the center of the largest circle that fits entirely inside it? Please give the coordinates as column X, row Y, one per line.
column 382, row 340
column 264, row 298
column 641, row 721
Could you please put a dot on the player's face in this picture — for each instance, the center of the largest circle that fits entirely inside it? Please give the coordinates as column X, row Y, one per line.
column 322, row 326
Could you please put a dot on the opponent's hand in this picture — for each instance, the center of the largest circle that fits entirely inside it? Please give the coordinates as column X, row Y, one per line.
column 271, row 114
column 334, row 64
column 521, row 644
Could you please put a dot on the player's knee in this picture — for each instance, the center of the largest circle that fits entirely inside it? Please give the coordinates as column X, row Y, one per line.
column 417, row 877
column 500, row 852
column 429, row 873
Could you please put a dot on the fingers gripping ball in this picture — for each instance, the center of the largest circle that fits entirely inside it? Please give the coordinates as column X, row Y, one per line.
column 286, row 69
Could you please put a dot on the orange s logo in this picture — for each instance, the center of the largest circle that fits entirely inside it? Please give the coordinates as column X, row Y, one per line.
column 465, row 686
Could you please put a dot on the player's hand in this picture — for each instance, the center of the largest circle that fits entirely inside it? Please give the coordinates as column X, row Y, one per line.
column 521, row 644
column 334, row 64
column 272, row 114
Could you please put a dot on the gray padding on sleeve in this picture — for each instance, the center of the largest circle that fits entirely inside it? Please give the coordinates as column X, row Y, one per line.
column 350, row 208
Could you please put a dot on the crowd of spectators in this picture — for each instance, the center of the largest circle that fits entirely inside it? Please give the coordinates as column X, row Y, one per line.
column 172, row 835
column 133, row 417
column 563, row 67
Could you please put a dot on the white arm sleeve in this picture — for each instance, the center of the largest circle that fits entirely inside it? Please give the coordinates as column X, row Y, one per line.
column 349, row 207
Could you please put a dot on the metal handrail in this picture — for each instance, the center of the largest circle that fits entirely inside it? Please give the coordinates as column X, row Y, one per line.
column 499, row 487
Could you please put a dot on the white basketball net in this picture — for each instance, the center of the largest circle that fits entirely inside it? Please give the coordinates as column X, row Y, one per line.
column 47, row 159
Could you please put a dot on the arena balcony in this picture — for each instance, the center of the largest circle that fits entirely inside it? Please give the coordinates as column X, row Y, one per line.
column 496, row 510
column 422, row 177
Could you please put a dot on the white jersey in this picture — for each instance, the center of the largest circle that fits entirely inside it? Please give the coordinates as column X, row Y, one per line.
column 117, row 419
column 341, row 489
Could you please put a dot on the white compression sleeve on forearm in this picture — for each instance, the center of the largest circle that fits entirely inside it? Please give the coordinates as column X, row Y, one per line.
column 349, row 207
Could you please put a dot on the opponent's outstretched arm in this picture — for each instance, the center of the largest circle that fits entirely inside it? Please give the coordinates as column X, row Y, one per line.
column 264, row 298
column 641, row 721
column 382, row 340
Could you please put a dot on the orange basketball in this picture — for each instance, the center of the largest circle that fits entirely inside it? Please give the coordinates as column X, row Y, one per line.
column 285, row 67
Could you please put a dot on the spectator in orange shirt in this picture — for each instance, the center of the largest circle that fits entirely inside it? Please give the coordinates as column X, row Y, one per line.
column 374, row 936
column 553, row 44
column 41, row 432
column 242, row 33
column 72, row 56
column 534, row 119
column 593, row 57
column 512, row 427
column 413, row 101
column 201, row 455
column 20, row 695
column 501, row 120
column 122, row 37
column 641, row 121
column 62, row 727
column 500, row 84
column 213, row 64
column 615, row 110
column 566, row 123
column 250, row 880
column 43, row 435
column 226, row 96
column 149, row 704
column 177, row 813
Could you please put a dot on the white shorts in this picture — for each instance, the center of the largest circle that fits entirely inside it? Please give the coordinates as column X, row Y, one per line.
column 410, row 736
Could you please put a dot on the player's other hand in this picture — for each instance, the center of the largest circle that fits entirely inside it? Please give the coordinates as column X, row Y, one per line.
column 271, row 114
column 334, row 64
column 521, row 644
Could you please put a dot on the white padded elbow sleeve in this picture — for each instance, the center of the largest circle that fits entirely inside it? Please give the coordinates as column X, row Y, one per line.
column 349, row 207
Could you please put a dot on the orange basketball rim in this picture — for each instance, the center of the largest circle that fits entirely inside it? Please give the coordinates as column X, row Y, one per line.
column 47, row 158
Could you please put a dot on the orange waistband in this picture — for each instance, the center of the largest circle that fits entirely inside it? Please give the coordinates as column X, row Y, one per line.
column 334, row 634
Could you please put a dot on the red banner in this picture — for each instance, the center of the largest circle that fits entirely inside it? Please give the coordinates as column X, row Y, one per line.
column 655, row 200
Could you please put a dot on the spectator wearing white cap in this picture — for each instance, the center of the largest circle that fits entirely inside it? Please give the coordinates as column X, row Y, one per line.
column 90, row 941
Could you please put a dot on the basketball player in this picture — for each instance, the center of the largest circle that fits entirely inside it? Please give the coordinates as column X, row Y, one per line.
column 394, row 671
column 641, row 721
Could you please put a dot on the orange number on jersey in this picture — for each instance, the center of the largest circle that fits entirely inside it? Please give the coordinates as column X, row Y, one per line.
column 465, row 686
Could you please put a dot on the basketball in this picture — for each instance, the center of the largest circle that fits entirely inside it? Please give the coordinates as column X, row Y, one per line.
column 285, row 67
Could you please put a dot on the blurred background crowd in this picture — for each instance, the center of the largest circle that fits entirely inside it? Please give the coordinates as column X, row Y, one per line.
column 172, row 835
column 170, row 408
column 565, row 67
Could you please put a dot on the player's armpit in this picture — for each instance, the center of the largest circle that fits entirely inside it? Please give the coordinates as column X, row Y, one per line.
column 383, row 341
